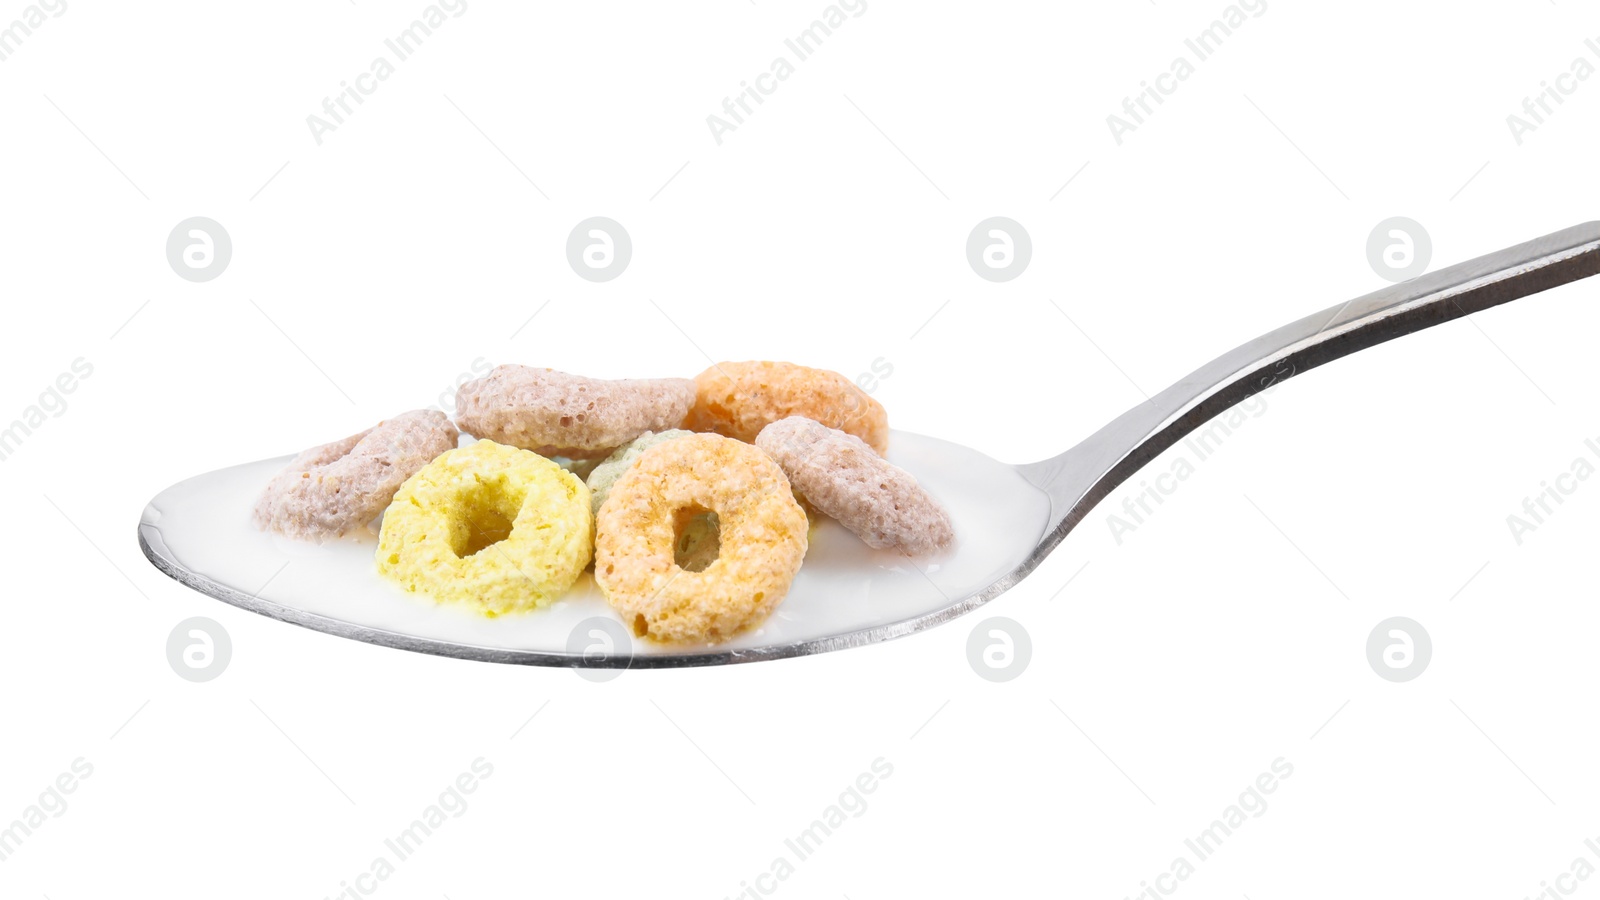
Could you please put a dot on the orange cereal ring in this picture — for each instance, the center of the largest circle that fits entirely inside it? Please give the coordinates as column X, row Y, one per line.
column 761, row 533
column 738, row 399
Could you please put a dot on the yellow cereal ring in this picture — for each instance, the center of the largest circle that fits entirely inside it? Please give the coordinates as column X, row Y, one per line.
column 738, row 399
column 762, row 534
column 489, row 526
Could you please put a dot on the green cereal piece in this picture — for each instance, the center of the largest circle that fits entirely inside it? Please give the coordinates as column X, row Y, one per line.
column 606, row 474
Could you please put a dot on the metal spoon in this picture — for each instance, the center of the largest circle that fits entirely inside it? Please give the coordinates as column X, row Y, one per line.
column 844, row 596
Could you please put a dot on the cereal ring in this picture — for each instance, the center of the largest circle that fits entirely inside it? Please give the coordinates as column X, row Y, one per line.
column 698, row 534
column 329, row 490
column 738, row 399
column 493, row 527
column 841, row 476
column 578, row 467
column 556, row 414
column 762, row 534
column 604, row 475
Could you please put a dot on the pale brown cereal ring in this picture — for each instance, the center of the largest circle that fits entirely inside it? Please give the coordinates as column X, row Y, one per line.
column 762, row 540
column 556, row 414
column 841, row 476
column 738, row 399
column 329, row 490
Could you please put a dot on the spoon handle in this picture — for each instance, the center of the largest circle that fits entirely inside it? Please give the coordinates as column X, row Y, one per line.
column 1081, row 477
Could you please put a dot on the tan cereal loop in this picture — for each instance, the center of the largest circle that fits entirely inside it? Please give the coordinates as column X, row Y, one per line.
column 491, row 527
column 841, row 476
column 328, row 491
column 738, row 399
column 556, row 414
column 762, row 535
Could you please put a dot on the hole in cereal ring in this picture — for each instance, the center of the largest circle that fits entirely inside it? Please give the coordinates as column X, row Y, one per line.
column 696, row 538
column 488, row 516
column 485, row 531
column 640, row 626
column 566, row 421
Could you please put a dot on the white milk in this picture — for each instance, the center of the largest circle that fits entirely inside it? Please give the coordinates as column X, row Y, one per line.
column 843, row 587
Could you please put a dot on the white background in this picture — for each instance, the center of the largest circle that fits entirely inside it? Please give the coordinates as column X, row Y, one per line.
column 1227, row 631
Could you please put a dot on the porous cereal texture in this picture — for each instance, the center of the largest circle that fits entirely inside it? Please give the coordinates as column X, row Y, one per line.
column 492, row 527
column 738, row 399
column 556, row 414
column 842, row 477
column 606, row 473
column 330, row 490
column 762, row 540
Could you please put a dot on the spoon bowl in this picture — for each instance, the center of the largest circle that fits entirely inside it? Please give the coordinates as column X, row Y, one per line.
column 199, row 532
